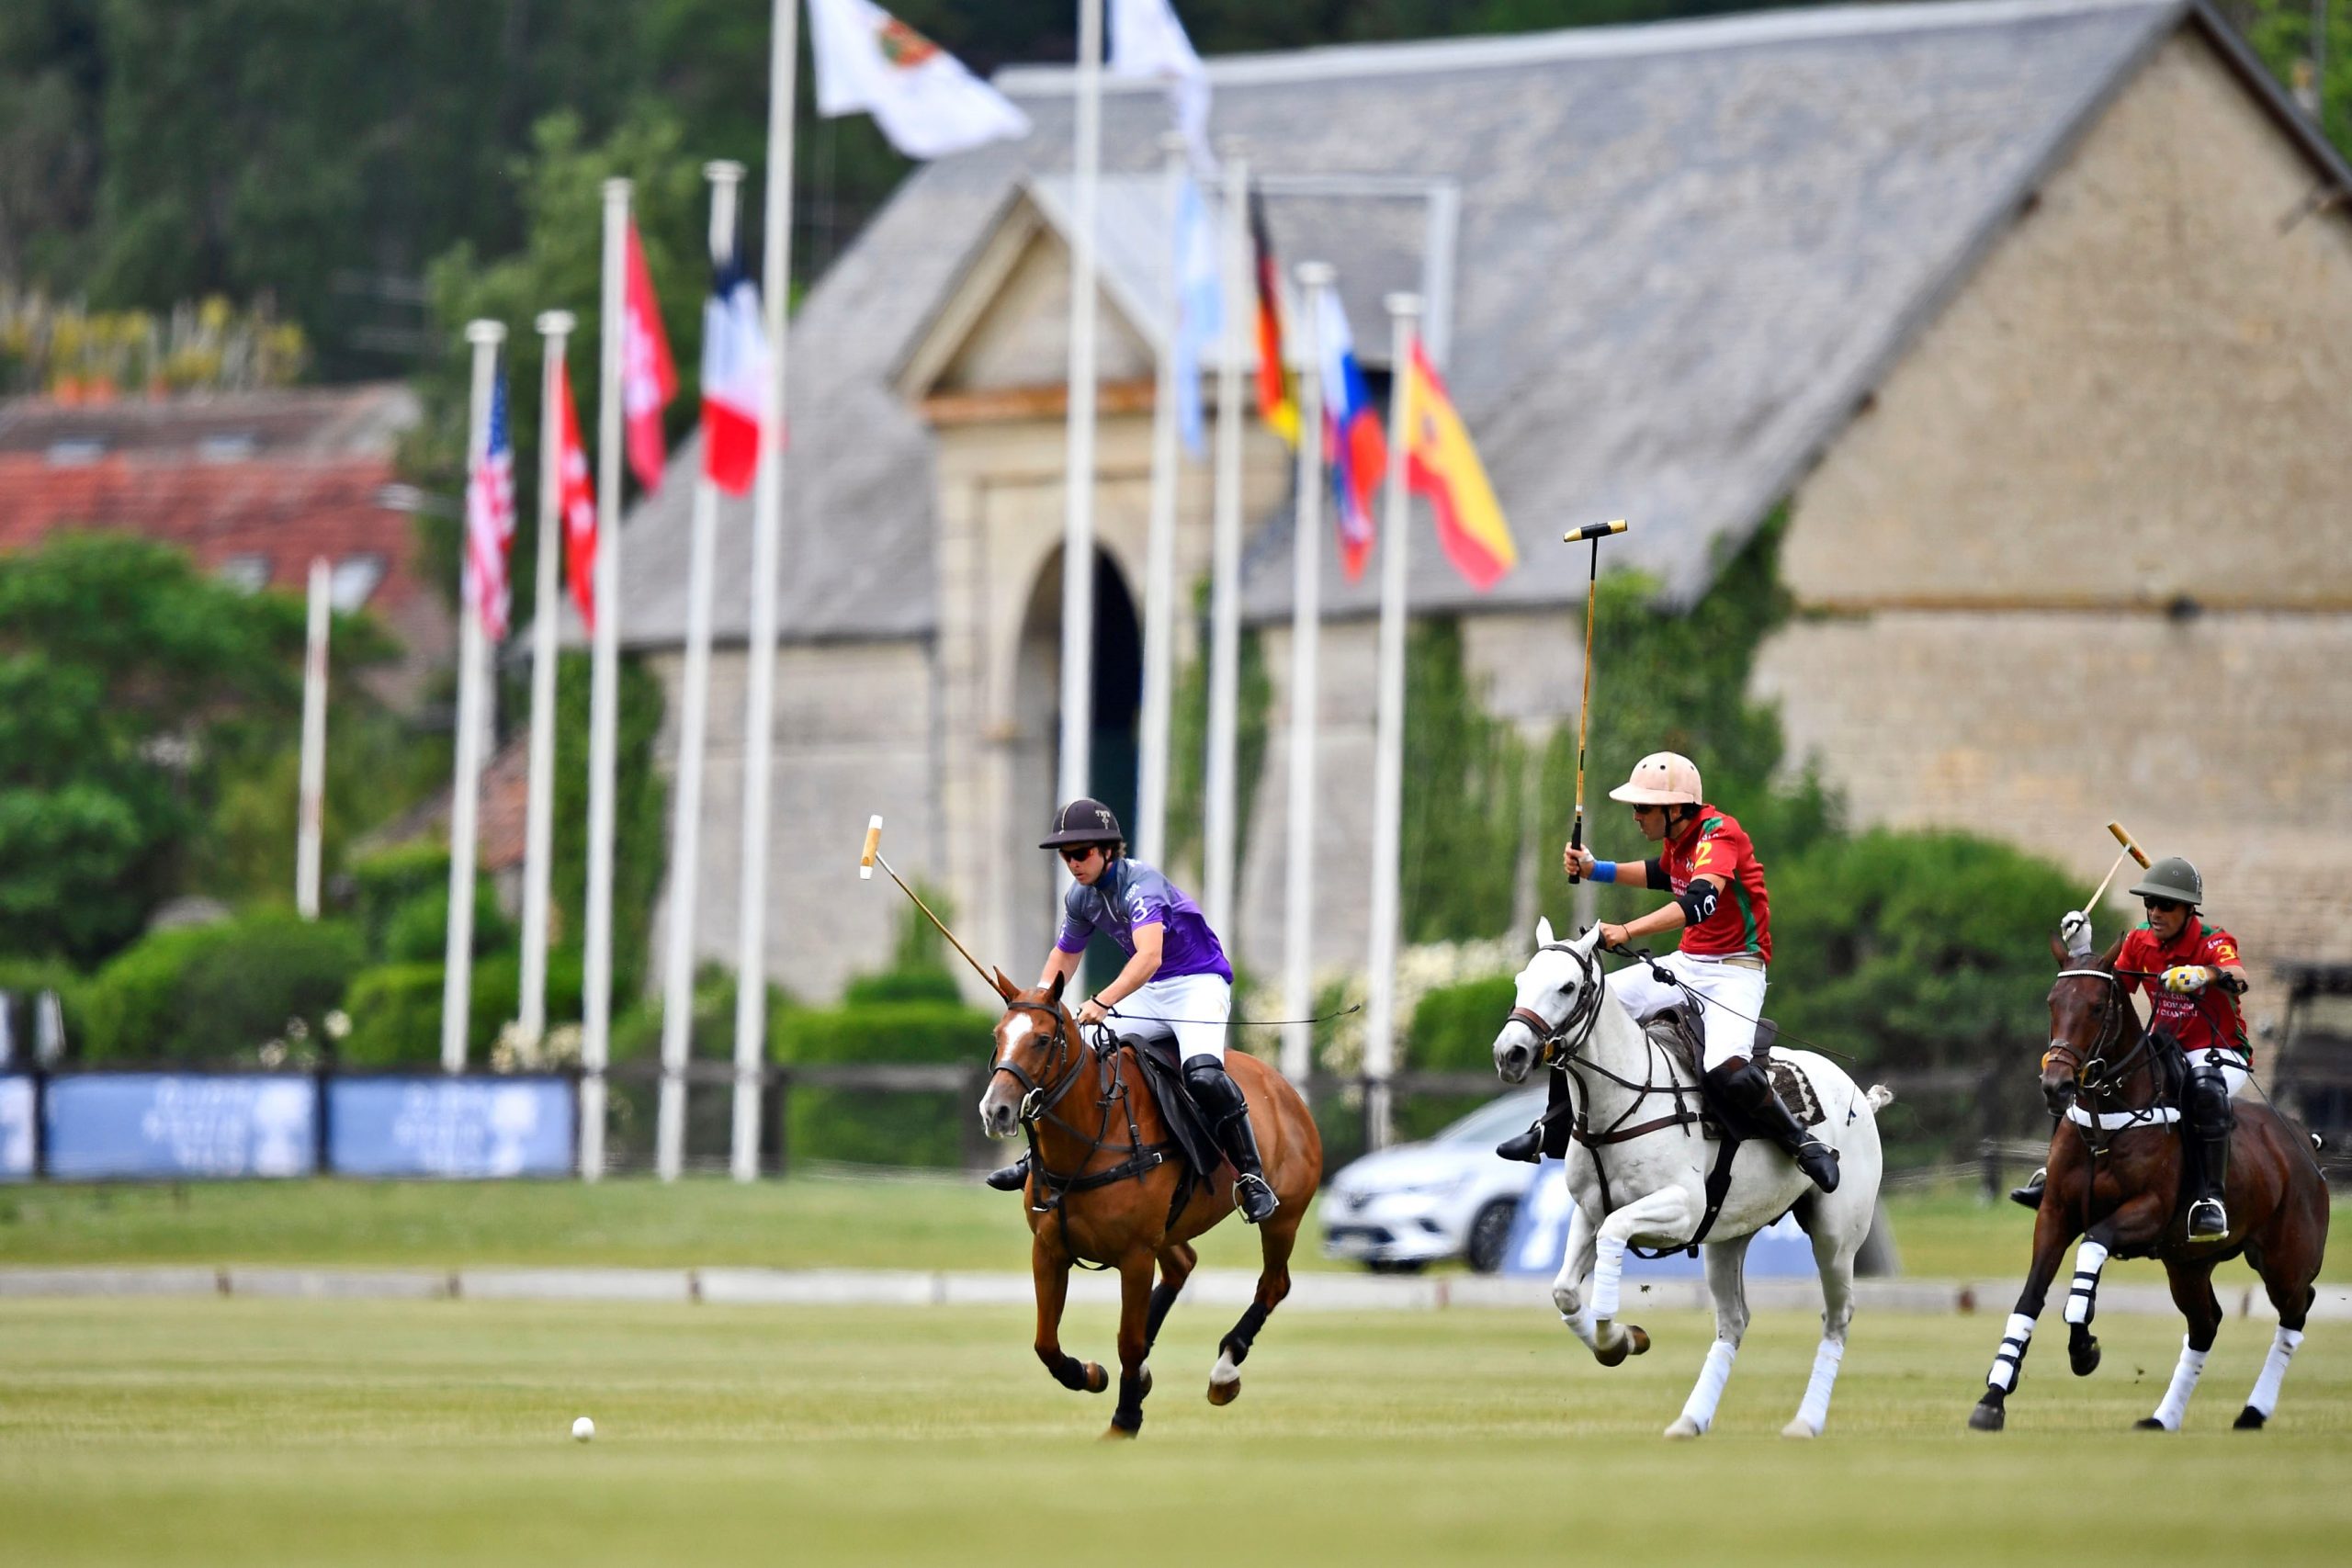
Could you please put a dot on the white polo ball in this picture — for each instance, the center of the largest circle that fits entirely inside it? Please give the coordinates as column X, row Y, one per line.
column 583, row 1429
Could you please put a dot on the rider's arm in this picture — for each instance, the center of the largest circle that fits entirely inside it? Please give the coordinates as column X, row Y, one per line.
column 1149, row 940
column 1623, row 873
column 1059, row 965
column 1672, row 917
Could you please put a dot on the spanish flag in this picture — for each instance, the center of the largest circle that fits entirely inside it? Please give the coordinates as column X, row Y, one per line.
column 1442, row 463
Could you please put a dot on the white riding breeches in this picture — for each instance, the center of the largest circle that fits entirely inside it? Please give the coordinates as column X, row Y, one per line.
column 2232, row 1065
column 1733, row 995
column 1191, row 1008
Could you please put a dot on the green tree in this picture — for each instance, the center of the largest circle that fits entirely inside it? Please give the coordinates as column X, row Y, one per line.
column 131, row 691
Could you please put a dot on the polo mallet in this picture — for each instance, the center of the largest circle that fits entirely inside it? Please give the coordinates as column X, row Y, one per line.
column 872, row 856
column 2130, row 848
column 1596, row 532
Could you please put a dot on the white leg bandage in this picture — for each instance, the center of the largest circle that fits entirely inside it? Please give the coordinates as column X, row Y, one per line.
column 2175, row 1408
column 2013, row 1339
column 2082, row 1292
column 1579, row 1321
column 1815, row 1411
column 2265, row 1397
column 1707, row 1392
column 1608, row 1268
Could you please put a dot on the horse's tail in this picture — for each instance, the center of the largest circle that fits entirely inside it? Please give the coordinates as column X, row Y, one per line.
column 1880, row 1097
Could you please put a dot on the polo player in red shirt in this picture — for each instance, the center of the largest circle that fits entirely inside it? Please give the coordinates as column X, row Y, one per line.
column 1719, row 905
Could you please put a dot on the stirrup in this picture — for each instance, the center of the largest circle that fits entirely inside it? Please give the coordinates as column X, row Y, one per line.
column 1012, row 1177
column 2030, row 1195
column 2208, row 1220
column 1527, row 1145
column 1254, row 1199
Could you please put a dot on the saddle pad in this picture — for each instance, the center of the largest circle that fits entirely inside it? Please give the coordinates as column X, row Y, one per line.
column 1186, row 1125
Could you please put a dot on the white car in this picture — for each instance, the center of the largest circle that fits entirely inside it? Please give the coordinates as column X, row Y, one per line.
column 1448, row 1197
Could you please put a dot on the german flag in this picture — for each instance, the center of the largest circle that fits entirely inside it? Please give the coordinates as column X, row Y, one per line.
column 1276, row 406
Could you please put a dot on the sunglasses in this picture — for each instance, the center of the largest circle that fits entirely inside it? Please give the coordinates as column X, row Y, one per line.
column 1077, row 852
column 2162, row 905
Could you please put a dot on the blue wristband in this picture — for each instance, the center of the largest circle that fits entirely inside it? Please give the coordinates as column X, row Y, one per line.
column 1604, row 871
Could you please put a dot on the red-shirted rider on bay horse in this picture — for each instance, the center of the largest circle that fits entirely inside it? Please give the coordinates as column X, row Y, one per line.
column 1719, row 905
column 1177, row 982
column 2195, row 973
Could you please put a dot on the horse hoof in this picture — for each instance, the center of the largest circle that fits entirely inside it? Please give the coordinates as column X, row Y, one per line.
column 2149, row 1424
column 2084, row 1359
column 1224, row 1393
column 1684, row 1430
column 1614, row 1355
column 1800, row 1428
column 1115, row 1433
column 2249, row 1420
column 1097, row 1380
column 1987, row 1418
column 1640, row 1341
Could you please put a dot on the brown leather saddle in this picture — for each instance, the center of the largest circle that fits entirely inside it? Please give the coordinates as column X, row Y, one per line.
column 1674, row 1035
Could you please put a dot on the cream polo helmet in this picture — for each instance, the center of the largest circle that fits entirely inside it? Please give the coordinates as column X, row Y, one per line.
column 1662, row 778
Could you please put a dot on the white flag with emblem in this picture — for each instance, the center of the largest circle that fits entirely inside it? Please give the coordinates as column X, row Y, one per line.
column 921, row 97
column 1147, row 40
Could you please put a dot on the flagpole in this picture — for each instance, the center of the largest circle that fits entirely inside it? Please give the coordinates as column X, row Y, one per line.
column 473, row 653
column 1159, row 545
column 309, row 816
column 1220, row 821
column 760, row 654
column 685, row 813
column 604, row 692
column 1306, row 627
column 1388, row 744
column 538, row 826
column 1076, row 770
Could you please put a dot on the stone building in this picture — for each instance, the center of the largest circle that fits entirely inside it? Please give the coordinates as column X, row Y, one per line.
column 2037, row 314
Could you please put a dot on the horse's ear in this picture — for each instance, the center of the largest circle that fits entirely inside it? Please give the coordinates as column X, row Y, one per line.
column 1004, row 987
column 2058, row 950
column 1543, row 930
column 1054, row 991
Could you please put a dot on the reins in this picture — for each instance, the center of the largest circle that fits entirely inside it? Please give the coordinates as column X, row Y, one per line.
column 1039, row 1098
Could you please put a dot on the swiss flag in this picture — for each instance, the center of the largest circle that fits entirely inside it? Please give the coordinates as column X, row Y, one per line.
column 648, row 377
column 576, row 499
column 734, row 382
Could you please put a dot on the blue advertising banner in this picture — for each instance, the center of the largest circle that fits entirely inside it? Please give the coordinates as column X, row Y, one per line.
column 15, row 1129
column 102, row 1125
column 1539, row 1239
column 465, row 1128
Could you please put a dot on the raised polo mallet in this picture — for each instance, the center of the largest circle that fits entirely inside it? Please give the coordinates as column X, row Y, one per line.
column 871, row 856
column 2130, row 848
column 1596, row 532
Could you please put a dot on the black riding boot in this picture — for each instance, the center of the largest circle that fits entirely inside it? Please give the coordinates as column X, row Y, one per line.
column 1549, row 1134
column 2030, row 1195
column 2209, row 1102
column 1221, row 1100
column 1747, row 1088
column 1011, row 1178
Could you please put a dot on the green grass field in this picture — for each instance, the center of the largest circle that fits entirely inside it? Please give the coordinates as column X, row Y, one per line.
column 808, row 1221
column 244, row 1432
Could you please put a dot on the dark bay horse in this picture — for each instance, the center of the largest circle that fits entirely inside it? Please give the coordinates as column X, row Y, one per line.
column 1103, row 1185
column 2116, row 1179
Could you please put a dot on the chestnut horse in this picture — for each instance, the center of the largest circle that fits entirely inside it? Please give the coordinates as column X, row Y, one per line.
column 1103, row 1185
column 2116, row 1179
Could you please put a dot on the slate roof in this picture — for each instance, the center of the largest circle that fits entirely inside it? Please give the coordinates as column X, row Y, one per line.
column 1686, row 251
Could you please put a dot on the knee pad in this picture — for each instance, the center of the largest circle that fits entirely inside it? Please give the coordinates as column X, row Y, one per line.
column 2209, row 1089
column 1212, row 1088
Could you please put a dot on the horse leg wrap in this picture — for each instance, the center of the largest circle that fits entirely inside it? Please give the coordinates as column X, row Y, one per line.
column 1607, row 1271
column 2013, row 1341
column 2265, row 1397
column 1128, row 1417
column 2185, row 1374
column 1236, row 1343
column 2082, row 1295
column 1070, row 1373
column 1813, row 1409
column 1707, row 1392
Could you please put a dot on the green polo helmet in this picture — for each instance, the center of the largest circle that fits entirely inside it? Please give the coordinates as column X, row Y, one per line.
column 2172, row 877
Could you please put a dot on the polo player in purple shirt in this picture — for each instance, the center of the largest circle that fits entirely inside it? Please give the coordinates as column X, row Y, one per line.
column 1176, row 983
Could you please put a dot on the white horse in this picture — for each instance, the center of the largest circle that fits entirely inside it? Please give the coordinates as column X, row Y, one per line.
column 1656, row 1177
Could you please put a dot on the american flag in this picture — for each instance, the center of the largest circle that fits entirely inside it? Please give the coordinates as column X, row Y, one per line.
column 490, row 521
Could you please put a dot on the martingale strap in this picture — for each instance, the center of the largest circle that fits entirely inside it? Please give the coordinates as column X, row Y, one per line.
column 2123, row 1121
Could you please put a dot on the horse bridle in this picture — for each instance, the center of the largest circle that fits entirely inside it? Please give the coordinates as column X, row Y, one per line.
column 1038, row 1097
column 2094, row 1077
column 1554, row 1044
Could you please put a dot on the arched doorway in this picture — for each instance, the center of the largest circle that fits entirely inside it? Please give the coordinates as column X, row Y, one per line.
column 1038, row 881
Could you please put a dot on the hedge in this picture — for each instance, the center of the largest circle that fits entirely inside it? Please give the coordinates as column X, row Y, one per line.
column 881, row 1129
column 202, row 994
column 395, row 1009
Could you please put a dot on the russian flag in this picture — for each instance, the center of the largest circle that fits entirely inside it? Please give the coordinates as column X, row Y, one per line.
column 1352, row 441
column 735, row 377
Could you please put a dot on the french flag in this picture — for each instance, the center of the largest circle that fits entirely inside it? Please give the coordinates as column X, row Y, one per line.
column 1353, row 444
column 734, row 382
